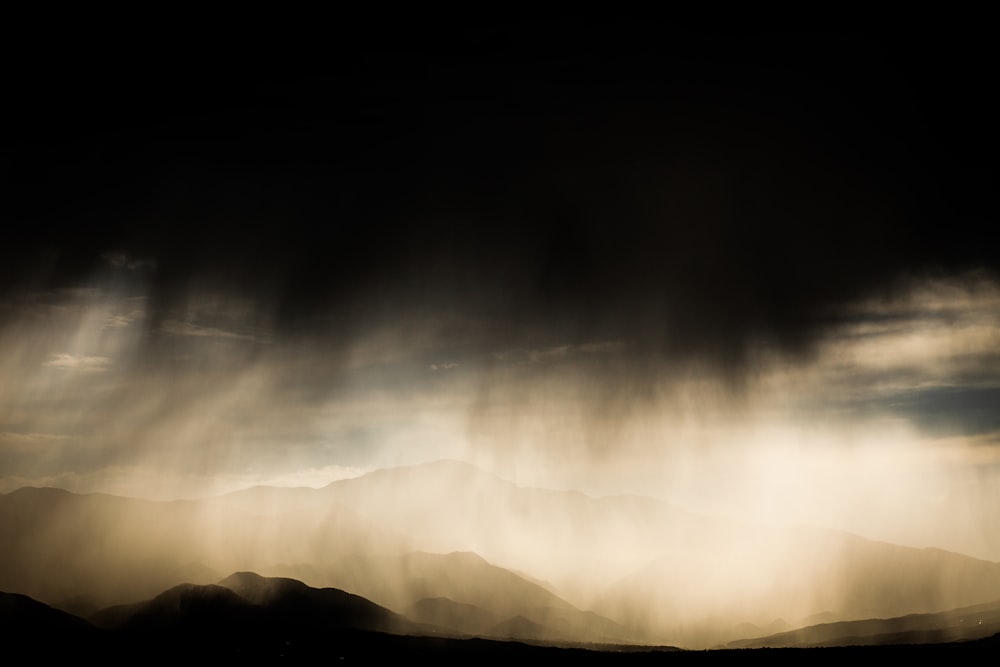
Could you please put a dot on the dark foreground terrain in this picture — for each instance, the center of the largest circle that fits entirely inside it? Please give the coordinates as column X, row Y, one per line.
column 299, row 624
column 260, row 647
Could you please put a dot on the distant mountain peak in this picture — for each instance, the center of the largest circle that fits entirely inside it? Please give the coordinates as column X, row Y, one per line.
column 242, row 578
column 39, row 491
column 261, row 590
column 439, row 466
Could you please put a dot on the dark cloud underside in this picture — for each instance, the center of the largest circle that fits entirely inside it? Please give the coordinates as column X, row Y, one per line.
column 540, row 184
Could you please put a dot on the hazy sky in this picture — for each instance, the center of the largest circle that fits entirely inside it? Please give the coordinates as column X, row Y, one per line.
column 747, row 274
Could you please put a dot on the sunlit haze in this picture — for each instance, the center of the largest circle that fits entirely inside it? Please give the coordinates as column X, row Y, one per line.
column 734, row 285
column 879, row 430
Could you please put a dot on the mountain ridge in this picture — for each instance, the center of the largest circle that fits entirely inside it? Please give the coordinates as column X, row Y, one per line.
column 397, row 536
column 214, row 619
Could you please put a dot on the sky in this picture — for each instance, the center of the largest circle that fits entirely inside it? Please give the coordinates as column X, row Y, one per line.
column 749, row 274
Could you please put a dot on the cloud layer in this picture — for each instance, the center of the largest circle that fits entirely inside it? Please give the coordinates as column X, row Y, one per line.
column 744, row 273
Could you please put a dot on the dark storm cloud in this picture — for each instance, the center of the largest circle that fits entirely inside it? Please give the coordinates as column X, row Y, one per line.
column 540, row 185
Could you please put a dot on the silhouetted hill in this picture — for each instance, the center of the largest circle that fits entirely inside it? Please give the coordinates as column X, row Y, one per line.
column 20, row 613
column 197, row 623
column 247, row 599
column 967, row 623
column 194, row 610
column 468, row 579
column 326, row 608
column 30, row 629
column 246, row 614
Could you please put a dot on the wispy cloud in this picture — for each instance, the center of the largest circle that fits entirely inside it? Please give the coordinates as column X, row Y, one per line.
column 70, row 362
column 121, row 260
column 142, row 482
column 121, row 321
column 558, row 352
column 444, row 367
column 29, row 438
column 182, row 328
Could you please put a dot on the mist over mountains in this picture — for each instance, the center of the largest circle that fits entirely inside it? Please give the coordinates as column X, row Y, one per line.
column 689, row 275
column 712, row 321
column 449, row 547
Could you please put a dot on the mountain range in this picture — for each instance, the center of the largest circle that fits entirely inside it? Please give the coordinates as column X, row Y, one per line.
column 247, row 616
column 445, row 549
